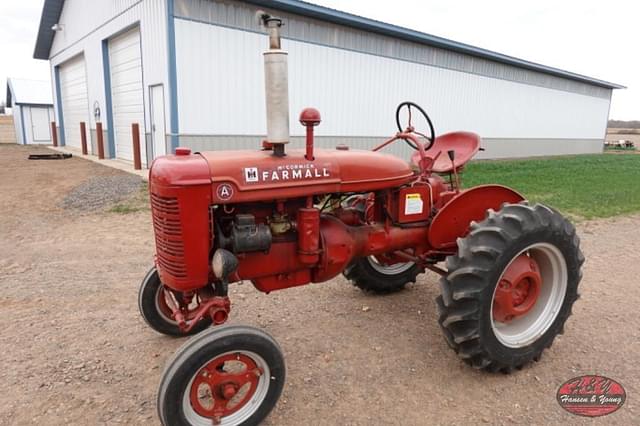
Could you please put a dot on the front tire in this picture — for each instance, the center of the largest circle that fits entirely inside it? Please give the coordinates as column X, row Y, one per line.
column 228, row 375
column 155, row 311
column 511, row 287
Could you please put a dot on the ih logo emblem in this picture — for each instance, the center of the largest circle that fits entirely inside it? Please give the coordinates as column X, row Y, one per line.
column 225, row 191
column 251, row 174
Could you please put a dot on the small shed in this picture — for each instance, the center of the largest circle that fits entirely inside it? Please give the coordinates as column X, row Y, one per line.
column 31, row 102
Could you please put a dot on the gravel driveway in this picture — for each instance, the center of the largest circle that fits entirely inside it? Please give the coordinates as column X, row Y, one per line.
column 75, row 350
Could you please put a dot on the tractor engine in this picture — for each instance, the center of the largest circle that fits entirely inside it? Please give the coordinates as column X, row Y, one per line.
column 288, row 220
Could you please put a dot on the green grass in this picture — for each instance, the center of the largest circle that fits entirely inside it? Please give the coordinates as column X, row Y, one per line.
column 581, row 186
column 620, row 148
column 139, row 201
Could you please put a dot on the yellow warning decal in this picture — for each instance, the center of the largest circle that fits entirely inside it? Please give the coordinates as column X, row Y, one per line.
column 413, row 204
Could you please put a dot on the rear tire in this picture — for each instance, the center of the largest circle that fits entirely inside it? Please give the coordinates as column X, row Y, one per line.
column 155, row 312
column 194, row 381
column 369, row 275
column 466, row 306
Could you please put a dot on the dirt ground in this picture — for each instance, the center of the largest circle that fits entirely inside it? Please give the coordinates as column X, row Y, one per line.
column 75, row 350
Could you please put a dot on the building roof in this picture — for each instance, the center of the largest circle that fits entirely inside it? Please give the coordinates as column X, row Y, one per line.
column 28, row 92
column 53, row 8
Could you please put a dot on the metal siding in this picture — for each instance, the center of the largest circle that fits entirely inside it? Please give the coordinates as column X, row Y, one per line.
column 357, row 93
column 86, row 31
column 18, row 123
column 80, row 17
column 75, row 104
column 126, row 91
column 495, row 148
column 240, row 15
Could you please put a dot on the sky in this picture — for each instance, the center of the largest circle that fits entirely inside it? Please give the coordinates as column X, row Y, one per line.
column 590, row 37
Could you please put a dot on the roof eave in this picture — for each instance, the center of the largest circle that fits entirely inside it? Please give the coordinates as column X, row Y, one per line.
column 359, row 22
column 53, row 8
column 50, row 15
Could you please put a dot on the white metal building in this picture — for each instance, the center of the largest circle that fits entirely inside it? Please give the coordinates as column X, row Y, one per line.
column 190, row 73
column 32, row 109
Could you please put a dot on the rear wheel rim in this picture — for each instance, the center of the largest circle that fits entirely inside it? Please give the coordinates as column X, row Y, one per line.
column 216, row 405
column 396, row 268
column 530, row 326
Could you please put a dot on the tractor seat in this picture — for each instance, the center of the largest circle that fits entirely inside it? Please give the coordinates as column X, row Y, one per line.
column 464, row 144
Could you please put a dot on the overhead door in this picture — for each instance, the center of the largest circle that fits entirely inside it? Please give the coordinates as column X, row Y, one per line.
column 126, row 91
column 75, row 104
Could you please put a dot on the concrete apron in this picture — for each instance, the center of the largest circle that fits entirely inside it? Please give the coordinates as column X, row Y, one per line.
column 115, row 164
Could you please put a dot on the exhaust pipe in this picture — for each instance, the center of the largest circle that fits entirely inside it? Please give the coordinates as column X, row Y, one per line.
column 276, row 85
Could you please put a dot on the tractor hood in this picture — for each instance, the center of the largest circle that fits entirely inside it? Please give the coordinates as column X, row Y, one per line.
column 243, row 176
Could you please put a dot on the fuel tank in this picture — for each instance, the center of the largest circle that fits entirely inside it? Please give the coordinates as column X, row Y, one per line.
column 246, row 176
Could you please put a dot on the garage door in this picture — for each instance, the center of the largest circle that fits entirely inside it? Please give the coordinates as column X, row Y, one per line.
column 126, row 91
column 75, row 104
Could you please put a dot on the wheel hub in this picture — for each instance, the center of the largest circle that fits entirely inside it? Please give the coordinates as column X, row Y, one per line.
column 518, row 289
column 224, row 385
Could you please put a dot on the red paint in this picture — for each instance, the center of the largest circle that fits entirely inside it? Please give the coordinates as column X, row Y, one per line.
column 179, row 307
column 517, row 290
column 309, row 117
column 453, row 220
column 217, row 383
column 464, row 144
column 135, row 137
column 309, row 235
column 54, row 133
column 180, row 197
column 414, row 204
column 316, row 246
column 332, row 171
column 99, row 140
column 423, row 162
column 591, row 396
column 83, row 138
column 183, row 151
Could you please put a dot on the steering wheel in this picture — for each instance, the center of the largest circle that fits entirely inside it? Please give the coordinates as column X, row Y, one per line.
column 410, row 129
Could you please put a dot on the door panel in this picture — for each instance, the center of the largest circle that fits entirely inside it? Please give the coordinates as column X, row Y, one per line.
column 125, row 61
column 40, row 128
column 75, row 106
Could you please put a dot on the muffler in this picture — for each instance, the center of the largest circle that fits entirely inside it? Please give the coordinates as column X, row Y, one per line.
column 276, row 85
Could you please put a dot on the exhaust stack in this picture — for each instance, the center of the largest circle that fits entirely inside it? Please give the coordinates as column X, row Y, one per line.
column 276, row 85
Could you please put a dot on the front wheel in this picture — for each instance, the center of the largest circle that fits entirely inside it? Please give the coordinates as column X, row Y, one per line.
column 228, row 375
column 511, row 287
column 155, row 311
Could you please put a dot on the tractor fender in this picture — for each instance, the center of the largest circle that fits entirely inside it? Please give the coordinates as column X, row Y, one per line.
column 453, row 220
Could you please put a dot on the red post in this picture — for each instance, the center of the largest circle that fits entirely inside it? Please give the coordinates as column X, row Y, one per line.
column 99, row 140
column 83, row 137
column 309, row 117
column 309, row 152
column 54, row 133
column 135, row 133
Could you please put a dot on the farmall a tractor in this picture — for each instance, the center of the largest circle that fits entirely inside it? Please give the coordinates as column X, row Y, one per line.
column 283, row 218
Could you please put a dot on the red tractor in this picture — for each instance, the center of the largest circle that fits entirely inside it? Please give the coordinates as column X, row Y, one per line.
column 288, row 218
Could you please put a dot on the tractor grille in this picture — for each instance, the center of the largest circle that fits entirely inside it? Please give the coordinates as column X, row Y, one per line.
column 168, row 231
